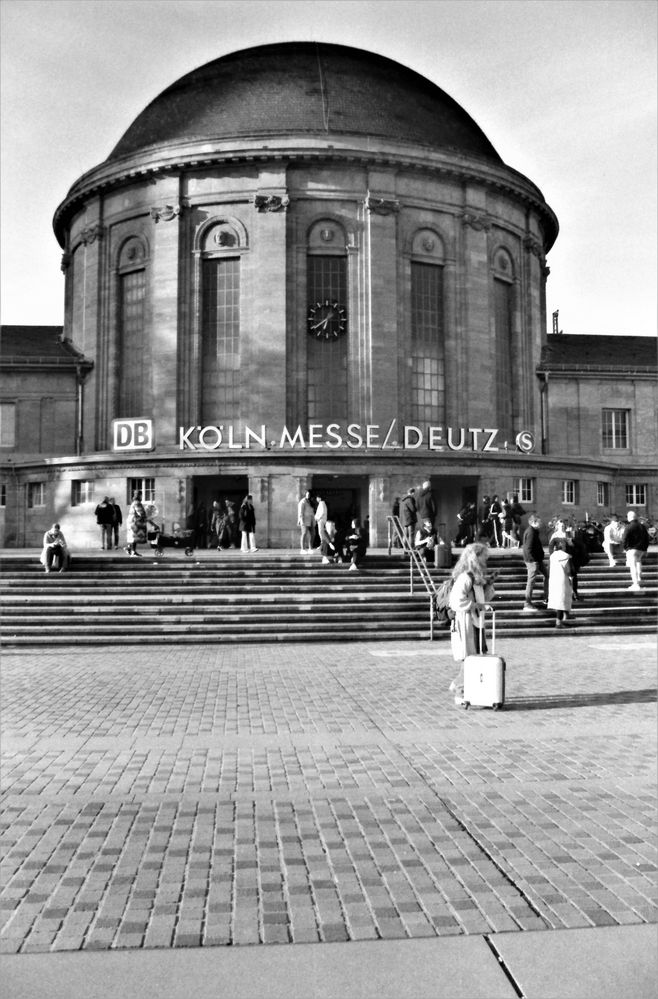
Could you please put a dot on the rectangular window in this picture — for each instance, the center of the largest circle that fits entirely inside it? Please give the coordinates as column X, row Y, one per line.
column 133, row 361
column 427, row 345
column 220, row 340
column 144, row 486
column 636, row 494
column 3, row 494
column 603, row 494
column 7, row 424
column 569, row 492
column 525, row 490
column 503, row 312
column 614, row 428
column 82, row 491
column 36, row 494
column 326, row 359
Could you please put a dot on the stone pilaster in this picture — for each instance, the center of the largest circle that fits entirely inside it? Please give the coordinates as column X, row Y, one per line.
column 165, row 211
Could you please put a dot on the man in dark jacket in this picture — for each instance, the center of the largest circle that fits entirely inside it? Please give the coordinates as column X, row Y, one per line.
column 636, row 543
column 533, row 556
column 104, row 516
column 117, row 520
column 408, row 515
column 425, row 503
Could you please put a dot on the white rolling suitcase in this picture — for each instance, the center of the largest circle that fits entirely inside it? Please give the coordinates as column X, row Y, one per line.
column 484, row 675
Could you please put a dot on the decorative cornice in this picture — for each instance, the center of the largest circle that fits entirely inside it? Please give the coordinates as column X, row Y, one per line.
column 382, row 206
column 91, row 233
column 271, row 202
column 533, row 245
column 481, row 222
column 165, row 213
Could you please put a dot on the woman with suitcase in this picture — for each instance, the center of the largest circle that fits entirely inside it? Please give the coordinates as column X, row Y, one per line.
column 472, row 588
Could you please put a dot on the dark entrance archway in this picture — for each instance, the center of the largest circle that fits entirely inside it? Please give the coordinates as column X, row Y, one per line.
column 346, row 497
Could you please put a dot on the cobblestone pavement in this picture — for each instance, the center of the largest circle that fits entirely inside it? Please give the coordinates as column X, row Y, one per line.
column 191, row 796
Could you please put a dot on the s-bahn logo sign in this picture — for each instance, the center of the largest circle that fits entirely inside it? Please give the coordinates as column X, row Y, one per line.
column 333, row 437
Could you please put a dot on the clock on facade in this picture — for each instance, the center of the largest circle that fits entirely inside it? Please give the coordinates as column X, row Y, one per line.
column 327, row 320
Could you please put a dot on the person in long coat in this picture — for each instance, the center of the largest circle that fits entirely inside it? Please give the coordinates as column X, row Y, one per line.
column 247, row 524
column 560, row 590
column 472, row 589
column 135, row 526
column 409, row 515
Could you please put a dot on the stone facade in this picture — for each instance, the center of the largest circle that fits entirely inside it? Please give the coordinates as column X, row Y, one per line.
column 262, row 188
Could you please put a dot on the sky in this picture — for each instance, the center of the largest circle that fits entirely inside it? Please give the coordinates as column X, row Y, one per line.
column 564, row 89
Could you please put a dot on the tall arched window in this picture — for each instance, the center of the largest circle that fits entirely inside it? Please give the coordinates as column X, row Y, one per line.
column 504, row 319
column 327, row 323
column 427, row 348
column 220, row 324
column 133, row 348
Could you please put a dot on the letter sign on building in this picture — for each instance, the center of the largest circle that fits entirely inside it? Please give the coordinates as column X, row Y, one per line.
column 132, row 435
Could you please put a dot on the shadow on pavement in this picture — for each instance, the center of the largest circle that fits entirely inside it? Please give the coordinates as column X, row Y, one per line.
column 540, row 703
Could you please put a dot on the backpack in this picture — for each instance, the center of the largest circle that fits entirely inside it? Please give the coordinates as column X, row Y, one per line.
column 443, row 613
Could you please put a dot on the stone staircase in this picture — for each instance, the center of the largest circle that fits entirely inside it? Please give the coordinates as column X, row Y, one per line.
column 273, row 596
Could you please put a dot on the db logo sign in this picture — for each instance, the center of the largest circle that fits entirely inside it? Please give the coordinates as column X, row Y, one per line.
column 132, row 435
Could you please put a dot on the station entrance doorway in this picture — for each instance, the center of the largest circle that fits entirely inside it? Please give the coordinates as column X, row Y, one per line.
column 206, row 489
column 346, row 497
column 452, row 494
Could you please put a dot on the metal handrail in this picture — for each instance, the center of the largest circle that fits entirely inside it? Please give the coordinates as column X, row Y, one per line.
column 416, row 561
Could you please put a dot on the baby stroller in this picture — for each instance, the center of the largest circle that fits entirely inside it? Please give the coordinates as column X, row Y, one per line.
column 158, row 540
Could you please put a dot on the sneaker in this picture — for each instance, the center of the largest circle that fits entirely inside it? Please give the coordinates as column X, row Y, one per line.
column 529, row 609
column 137, row 554
column 455, row 687
column 611, row 565
column 325, row 560
column 253, row 549
column 635, row 586
column 353, row 568
column 559, row 624
column 459, row 700
column 131, row 554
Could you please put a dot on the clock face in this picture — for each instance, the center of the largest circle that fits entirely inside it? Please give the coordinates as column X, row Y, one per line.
column 327, row 320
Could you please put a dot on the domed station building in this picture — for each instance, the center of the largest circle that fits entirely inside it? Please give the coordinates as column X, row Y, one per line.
column 304, row 266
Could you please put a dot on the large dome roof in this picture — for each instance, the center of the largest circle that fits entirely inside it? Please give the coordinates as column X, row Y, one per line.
column 305, row 88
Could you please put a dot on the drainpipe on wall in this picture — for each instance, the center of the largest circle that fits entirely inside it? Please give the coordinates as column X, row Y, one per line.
column 79, row 431
column 543, row 400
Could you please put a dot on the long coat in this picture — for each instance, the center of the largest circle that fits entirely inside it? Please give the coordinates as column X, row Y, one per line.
column 464, row 596
column 247, row 518
column 559, row 581
column 408, row 511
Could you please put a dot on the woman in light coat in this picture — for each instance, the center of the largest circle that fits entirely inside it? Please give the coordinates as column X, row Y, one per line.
column 472, row 588
column 560, row 590
column 136, row 526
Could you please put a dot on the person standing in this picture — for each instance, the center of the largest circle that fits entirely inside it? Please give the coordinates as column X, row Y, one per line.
column 517, row 512
column 247, row 524
column 495, row 511
column 117, row 521
column 409, row 515
column 533, row 556
column 321, row 514
column 54, row 547
column 484, row 531
column 472, row 589
column 104, row 516
column 560, row 589
column 135, row 526
column 613, row 534
column 306, row 522
column 636, row 543
column 425, row 503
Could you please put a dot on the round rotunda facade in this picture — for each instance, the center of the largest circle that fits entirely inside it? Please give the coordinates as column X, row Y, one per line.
column 305, row 266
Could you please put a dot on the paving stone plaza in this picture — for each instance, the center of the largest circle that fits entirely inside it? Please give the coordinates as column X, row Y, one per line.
column 197, row 797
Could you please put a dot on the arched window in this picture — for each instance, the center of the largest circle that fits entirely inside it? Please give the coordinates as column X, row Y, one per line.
column 133, row 347
column 503, row 286
column 427, row 348
column 327, row 323
column 221, row 247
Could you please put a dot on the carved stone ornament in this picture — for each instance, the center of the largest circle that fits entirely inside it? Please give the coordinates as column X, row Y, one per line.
column 327, row 235
column 165, row 213
column 271, row 202
column 481, row 222
column 382, row 206
column 224, row 237
column 91, row 233
column 66, row 261
column 533, row 245
column 428, row 244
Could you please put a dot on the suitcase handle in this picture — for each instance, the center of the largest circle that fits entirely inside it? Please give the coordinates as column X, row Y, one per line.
column 493, row 628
